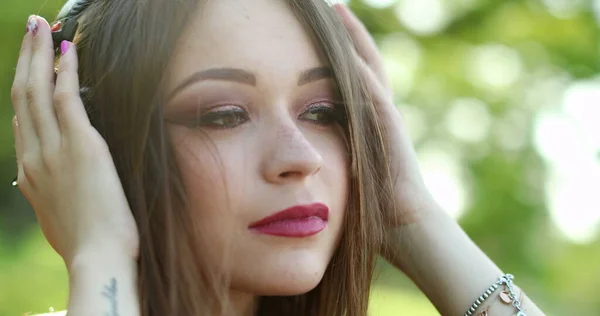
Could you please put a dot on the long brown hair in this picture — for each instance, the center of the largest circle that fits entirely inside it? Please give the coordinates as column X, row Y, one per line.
column 124, row 51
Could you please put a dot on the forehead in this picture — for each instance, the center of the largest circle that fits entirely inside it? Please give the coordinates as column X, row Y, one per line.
column 262, row 36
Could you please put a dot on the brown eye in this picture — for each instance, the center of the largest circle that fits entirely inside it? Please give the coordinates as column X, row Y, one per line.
column 222, row 119
column 322, row 114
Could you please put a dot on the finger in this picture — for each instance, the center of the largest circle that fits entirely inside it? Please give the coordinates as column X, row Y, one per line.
column 18, row 149
column 382, row 98
column 18, row 140
column 380, row 94
column 67, row 101
column 363, row 42
column 40, row 85
column 18, row 93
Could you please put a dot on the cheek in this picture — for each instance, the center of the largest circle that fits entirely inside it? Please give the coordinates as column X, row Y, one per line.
column 333, row 183
column 208, row 174
column 335, row 170
column 208, row 171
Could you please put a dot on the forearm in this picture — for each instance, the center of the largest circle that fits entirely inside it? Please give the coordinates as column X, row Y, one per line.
column 103, row 284
column 447, row 266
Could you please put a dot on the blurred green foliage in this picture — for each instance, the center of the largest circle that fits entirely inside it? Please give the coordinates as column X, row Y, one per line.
column 486, row 54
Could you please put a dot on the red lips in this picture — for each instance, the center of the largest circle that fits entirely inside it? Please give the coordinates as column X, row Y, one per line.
column 297, row 221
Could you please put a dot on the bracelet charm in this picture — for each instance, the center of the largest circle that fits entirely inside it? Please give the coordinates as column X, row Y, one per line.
column 508, row 296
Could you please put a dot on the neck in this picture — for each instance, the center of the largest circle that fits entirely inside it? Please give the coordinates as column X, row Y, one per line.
column 243, row 304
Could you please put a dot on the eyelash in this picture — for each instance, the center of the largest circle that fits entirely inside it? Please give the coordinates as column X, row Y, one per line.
column 209, row 119
column 334, row 114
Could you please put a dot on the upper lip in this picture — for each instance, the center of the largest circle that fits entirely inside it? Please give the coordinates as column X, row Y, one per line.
column 296, row 212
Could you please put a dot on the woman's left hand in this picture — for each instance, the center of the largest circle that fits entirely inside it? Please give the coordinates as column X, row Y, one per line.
column 412, row 196
column 431, row 248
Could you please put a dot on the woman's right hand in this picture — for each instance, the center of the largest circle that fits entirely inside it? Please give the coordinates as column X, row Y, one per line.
column 65, row 169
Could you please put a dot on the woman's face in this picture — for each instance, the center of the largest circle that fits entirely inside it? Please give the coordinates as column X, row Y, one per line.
column 254, row 116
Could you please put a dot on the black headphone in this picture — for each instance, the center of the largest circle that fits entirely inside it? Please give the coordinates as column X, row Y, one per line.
column 68, row 21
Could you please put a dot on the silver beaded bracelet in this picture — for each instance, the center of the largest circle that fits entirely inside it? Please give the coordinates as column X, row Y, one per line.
column 511, row 295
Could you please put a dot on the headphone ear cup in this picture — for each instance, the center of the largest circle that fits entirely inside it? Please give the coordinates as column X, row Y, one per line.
column 73, row 8
column 65, row 27
column 65, row 31
column 78, row 7
column 56, row 39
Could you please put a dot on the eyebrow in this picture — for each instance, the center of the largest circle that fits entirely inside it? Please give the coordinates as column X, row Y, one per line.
column 248, row 78
column 314, row 74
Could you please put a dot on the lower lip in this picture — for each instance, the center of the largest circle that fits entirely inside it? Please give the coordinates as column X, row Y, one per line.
column 301, row 227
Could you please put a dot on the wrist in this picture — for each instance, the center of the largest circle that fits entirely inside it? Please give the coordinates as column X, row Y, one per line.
column 428, row 222
column 438, row 256
column 414, row 204
column 103, row 281
column 100, row 255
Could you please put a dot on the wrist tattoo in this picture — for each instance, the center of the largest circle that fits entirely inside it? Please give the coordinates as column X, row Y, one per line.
column 110, row 293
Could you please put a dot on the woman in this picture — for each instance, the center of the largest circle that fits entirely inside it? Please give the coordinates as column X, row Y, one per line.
column 236, row 158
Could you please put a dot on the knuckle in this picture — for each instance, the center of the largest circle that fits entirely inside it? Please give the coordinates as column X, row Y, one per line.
column 91, row 148
column 61, row 98
column 31, row 92
column 63, row 68
column 29, row 162
column 16, row 92
column 50, row 156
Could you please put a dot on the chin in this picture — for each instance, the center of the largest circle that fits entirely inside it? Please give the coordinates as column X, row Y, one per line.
column 282, row 277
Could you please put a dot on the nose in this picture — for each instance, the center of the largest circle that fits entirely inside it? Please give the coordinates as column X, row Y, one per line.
column 289, row 155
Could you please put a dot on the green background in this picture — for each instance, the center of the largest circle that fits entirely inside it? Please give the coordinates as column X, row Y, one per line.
column 479, row 81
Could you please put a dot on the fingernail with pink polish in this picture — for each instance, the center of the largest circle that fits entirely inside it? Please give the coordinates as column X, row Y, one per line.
column 32, row 24
column 64, row 47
